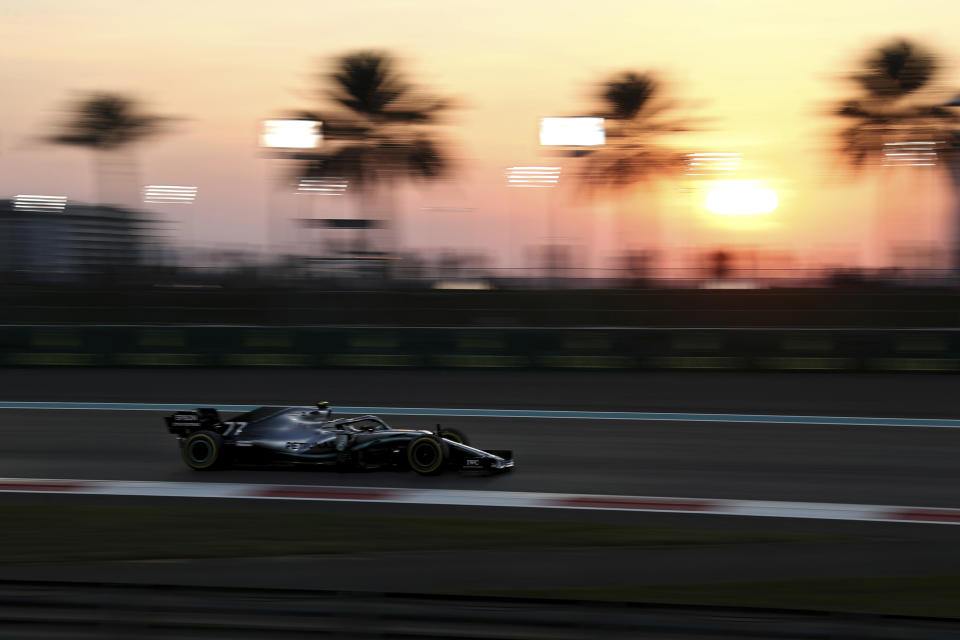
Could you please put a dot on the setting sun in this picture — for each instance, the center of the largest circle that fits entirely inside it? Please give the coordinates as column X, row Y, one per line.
column 740, row 197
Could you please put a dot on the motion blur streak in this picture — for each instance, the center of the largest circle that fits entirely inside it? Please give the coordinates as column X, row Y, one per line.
column 851, row 421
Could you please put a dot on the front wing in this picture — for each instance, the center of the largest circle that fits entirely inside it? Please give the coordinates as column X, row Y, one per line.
column 473, row 458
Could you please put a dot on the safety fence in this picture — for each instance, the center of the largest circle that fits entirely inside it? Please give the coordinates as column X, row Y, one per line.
column 35, row 609
column 480, row 348
column 824, row 308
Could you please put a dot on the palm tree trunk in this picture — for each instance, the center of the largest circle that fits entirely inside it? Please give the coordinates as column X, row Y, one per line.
column 875, row 244
column 655, row 243
column 365, row 199
column 132, row 184
column 100, row 175
column 391, row 210
column 621, row 242
column 117, row 178
column 392, row 220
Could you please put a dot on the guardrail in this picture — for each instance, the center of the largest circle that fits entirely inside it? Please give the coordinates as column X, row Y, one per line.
column 480, row 348
column 88, row 609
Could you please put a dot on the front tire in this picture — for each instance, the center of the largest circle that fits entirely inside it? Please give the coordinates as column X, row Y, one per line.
column 203, row 450
column 426, row 455
column 455, row 435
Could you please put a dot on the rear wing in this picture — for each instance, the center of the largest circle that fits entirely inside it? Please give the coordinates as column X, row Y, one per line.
column 182, row 423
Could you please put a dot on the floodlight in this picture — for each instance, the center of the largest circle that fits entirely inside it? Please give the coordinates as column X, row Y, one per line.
column 291, row 134
column 533, row 176
column 914, row 153
column 701, row 164
column 43, row 204
column 323, row 186
column 572, row 132
column 169, row 194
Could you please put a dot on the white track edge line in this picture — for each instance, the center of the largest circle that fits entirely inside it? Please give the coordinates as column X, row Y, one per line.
column 645, row 504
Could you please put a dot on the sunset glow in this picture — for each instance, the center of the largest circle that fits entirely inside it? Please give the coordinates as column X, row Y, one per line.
column 746, row 91
column 741, row 198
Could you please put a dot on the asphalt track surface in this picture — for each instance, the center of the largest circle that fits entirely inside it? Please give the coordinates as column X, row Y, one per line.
column 928, row 395
column 805, row 463
column 817, row 463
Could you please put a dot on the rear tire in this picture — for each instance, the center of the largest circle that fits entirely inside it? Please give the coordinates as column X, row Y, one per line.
column 426, row 455
column 203, row 450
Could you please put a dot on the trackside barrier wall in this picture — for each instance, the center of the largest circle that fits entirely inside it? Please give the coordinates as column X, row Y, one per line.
column 811, row 308
column 480, row 348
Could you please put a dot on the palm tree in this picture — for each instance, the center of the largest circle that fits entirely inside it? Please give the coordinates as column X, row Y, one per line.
column 377, row 129
column 108, row 124
column 895, row 106
column 636, row 122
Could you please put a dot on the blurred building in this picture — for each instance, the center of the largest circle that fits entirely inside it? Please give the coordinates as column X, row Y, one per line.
column 65, row 242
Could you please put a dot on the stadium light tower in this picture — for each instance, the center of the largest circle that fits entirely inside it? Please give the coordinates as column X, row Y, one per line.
column 572, row 137
column 286, row 139
column 531, row 177
column 536, row 178
column 169, row 194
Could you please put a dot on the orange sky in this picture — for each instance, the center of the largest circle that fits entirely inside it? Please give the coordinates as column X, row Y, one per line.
column 759, row 71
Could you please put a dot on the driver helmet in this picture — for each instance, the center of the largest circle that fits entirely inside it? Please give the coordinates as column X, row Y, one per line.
column 323, row 408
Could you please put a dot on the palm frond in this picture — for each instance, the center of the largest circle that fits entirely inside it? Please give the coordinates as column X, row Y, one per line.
column 897, row 69
column 636, row 121
column 108, row 121
column 378, row 128
column 889, row 108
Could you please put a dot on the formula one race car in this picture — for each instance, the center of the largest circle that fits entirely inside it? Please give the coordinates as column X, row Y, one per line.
column 301, row 436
